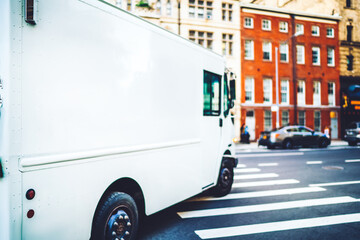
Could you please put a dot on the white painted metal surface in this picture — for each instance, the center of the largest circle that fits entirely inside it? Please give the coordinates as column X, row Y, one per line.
column 93, row 94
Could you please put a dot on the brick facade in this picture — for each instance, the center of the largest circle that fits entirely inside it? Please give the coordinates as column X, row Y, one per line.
column 258, row 69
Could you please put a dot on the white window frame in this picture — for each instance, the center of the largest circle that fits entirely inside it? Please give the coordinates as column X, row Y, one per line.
column 266, row 126
column 266, row 24
column 300, row 54
column 299, row 28
column 332, row 32
column 283, row 26
column 267, row 47
column 331, row 97
column 317, row 93
column 317, row 117
column 284, row 49
column 248, row 22
column 249, row 87
column 283, row 117
column 284, row 89
column 267, row 90
column 331, row 57
column 249, row 48
column 301, row 95
column 317, row 50
column 315, row 30
column 300, row 113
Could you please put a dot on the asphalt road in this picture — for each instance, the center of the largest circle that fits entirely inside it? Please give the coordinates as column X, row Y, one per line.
column 277, row 194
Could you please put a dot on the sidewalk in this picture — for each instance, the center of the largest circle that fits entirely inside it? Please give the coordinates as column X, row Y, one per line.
column 254, row 145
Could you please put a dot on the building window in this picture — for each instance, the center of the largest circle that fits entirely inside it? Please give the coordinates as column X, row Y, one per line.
column 211, row 94
column 300, row 54
column 301, row 118
column 330, row 33
column 267, row 51
column 315, row 31
column 227, row 44
column 284, row 52
column 350, row 61
column 158, row 7
column 267, row 87
column 129, row 5
column 197, row 9
column 348, row 3
column 227, row 11
column 300, row 28
column 316, row 55
column 283, row 27
column 317, row 121
column 205, row 39
column 301, row 92
column 267, row 121
column 331, row 93
column 249, row 89
column 331, row 57
column 266, row 24
column 284, row 118
column 316, row 93
column 349, row 29
column 249, row 49
column 249, row 22
column 168, row 8
column 284, row 91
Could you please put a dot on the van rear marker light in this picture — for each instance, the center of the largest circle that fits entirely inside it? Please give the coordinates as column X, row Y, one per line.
column 266, row 207
column 268, row 193
column 277, row 226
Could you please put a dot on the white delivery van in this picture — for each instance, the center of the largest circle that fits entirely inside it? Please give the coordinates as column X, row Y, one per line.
column 105, row 118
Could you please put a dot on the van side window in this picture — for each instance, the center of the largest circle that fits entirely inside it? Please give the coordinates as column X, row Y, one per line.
column 212, row 94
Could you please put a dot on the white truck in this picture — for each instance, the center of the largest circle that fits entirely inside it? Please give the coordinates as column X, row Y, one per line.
column 105, row 118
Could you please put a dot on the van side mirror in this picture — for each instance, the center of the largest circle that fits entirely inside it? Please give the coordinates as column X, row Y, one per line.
column 232, row 89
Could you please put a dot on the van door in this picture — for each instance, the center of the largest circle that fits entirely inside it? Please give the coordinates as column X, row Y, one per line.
column 212, row 124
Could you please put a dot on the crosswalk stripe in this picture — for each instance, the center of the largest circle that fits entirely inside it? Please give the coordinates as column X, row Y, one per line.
column 334, row 184
column 278, row 226
column 265, row 183
column 254, row 176
column 241, row 166
column 269, row 155
column 246, row 170
column 314, row 162
column 352, row 160
column 267, row 164
column 266, row 207
column 256, row 194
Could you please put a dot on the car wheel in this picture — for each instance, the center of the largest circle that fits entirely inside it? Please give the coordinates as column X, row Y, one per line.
column 322, row 143
column 288, row 144
column 352, row 143
column 225, row 179
column 116, row 218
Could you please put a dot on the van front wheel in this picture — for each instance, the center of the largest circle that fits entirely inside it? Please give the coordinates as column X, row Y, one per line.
column 225, row 179
column 116, row 218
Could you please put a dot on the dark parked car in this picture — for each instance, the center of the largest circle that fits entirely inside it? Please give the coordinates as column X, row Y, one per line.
column 290, row 136
column 352, row 134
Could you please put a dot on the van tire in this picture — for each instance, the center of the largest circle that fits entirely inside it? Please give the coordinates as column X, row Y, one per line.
column 116, row 216
column 225, row 179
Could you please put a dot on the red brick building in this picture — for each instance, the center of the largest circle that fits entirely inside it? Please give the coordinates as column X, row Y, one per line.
column 304, row 77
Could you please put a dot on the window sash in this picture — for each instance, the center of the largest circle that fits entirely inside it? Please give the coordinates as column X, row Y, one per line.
column 249, row 49
column 267, row 89
column 301, row 92
column 249, row 22
column 317, row 121
column 267, row 51
column 316, row 56
column 284, row 91
column 316, row 93
column 249, row 89
column 266, row 24
column 300, row 54
column 267, row 120
column 284, row 52
column 315, row 30
column 331, row 93
column 331, row 57
column 301, row 118
column 284, row 118
column 283, row 27
column 330, row 32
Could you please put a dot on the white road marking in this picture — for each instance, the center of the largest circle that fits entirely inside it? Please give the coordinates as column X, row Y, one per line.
column 352, row 160
column 246, row 170
column 334, row 184
column 269, row 155
column 267, row 164
column 314, row 162
column 278, row 226
column 265, row 183
column 266, row 207
column 268, row 193
column 254, row 176
column 241, row 166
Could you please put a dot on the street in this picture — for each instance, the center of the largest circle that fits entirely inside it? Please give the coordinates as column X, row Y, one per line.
column 305, row 193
